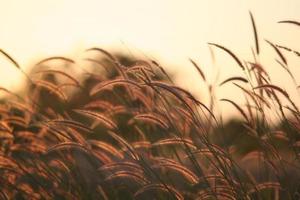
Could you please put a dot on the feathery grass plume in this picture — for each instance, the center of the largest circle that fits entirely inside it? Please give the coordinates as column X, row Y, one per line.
column 138, row 177
column 174, row 141
column 230, row 53
column 255, row 97
column 198, row 69
column 121, row 165
column 110, row 83
column 125, row 144
column 53, row 89
column 270, row 86
column 107, row 147
column 152, row 118
column 68, row 60
column 219, row 192
column 71, row 123
column 188, row 174
column 158, row 187
column 162, row 70
column 10, row 59
column 99, row 104
column 255, row 33
column 142, row 144
column 119, row 67
column 15, row 120
column 297, row 53
column 67, row 145
column 290, row 22
column 99, row 117
column 287, row 69
column 234, row 79
column 259, row 68
column 237, row 107
column 8, row 163
column 175, row 92
column 50, row 71
column 267, row 185
column 282, row 57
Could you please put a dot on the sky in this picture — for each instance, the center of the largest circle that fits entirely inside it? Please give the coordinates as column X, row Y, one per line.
column 170, row 31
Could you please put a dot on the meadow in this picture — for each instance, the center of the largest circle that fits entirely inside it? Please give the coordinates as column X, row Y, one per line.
column 121, row 129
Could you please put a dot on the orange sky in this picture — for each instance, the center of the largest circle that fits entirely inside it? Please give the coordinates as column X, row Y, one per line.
column 168, row 30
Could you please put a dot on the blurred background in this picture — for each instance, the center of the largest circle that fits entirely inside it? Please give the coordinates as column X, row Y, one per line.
column 169, row 31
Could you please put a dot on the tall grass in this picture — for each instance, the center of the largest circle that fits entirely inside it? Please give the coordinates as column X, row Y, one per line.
column 125, row 131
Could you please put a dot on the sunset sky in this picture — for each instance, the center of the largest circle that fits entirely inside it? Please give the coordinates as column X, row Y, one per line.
column 170, row 31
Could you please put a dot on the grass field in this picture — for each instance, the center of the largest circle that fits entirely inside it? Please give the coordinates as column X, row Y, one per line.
column 121, row 129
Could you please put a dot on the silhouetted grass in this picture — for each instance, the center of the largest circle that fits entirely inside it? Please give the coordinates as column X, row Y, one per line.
column 125, row 131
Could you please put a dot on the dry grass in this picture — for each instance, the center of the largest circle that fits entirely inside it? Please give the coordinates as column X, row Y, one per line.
column 133, row 134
